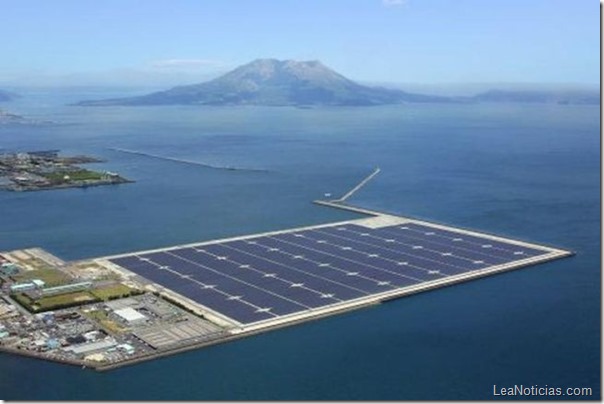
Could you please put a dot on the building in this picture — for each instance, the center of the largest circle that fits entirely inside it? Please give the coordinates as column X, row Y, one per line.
column 91, row 347
column 131, row 316
column 23, row 158
column 27, row 286
column 72, row 287
column 92, row 335
column 53, row 343
column 8, row 269
column 127, row 348
column 22, row 287
column 95, row 357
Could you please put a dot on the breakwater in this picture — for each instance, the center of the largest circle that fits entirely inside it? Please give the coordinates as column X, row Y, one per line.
column 185, row 161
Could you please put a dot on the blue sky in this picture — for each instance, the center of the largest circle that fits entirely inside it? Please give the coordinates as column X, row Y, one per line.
column 406, row 41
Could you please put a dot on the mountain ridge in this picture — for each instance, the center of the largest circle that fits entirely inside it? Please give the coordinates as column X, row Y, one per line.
column 574, row 97
column 274, row 82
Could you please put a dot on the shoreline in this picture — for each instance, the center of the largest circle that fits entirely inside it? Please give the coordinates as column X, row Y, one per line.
column 247, row 330
column 66, row 186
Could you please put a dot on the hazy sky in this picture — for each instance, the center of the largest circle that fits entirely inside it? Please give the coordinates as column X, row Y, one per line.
column 426, row 41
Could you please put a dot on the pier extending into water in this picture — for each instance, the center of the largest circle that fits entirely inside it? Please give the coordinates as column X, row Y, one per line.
column 185, row 161
column 359, row 186
column 261, row 282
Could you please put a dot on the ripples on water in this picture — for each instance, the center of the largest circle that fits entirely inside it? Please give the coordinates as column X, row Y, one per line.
column 525, row 171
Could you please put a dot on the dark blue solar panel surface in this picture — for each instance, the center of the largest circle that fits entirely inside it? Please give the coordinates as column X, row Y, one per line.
column 266, row 277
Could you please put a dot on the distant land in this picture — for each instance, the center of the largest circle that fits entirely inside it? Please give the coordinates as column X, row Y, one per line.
column 8, row 118
column 273, row 82
column 45, row 169
column 541, row 96
column 7, row 96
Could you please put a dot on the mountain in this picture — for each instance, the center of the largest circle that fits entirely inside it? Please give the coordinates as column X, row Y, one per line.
column 275, row 83
column 9, row 118
column 7, row 96
column 583, row 97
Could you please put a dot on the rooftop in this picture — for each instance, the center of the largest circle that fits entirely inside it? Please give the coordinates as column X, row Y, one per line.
column 130, row 315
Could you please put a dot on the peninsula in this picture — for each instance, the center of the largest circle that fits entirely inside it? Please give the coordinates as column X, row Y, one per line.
column 42, row 170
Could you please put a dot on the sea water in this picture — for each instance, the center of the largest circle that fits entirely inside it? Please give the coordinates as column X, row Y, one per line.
column 523, row 171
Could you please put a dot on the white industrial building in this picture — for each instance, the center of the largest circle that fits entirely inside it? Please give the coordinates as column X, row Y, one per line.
column 131, row 316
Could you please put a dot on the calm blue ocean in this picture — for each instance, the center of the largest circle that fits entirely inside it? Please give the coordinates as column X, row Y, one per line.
column 524, row 171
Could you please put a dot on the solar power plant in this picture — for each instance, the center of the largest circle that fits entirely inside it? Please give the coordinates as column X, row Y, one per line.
column 266, row 277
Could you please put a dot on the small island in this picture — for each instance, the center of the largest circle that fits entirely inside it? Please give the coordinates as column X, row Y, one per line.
column 9, row 118
column 43, row 170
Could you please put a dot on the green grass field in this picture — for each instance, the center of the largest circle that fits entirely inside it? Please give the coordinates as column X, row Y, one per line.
column 50, row 276
column 114, row 291
column 79, row 175
column 54, row 302
column 47, row 303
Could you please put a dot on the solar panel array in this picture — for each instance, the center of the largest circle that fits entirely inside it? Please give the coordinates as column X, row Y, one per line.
column 270, row 276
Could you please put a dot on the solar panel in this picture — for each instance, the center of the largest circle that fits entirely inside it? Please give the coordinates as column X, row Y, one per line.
column 462, row 239
column 265, row 277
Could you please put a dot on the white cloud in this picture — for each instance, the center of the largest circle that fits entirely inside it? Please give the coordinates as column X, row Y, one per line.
column 156, row 73
column 393, row 3
column 186, row 64
column 141, row 76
